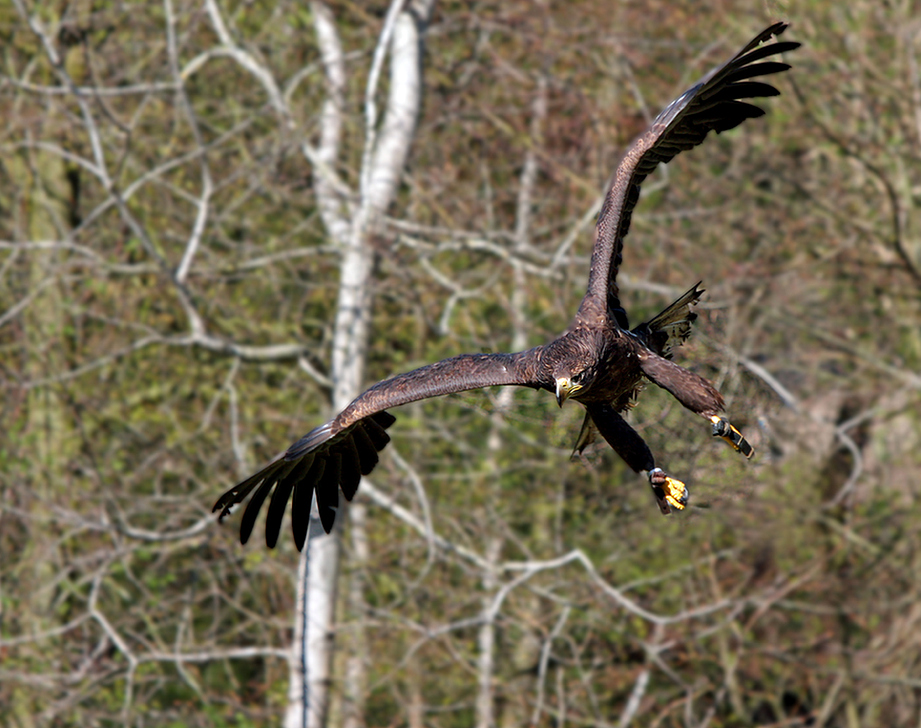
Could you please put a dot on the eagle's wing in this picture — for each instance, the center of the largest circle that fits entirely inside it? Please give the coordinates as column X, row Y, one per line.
column 712, row 104
column 337, row 454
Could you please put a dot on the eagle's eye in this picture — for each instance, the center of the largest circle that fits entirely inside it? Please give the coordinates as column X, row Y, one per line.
column 578, row 377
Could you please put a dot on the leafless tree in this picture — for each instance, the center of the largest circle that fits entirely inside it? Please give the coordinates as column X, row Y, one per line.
column 214, row 230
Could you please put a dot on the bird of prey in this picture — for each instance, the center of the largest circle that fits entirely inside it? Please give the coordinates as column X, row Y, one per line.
column 599, row 361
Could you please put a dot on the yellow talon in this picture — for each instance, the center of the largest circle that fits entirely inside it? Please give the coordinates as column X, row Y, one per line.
column 670, row 493
column 724, row 430
column 676, row 493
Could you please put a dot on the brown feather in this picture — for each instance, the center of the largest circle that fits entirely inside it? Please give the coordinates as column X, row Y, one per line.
column 709, row 105
column 601, row 364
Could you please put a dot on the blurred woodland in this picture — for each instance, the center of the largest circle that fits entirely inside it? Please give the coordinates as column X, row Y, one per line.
column 167, row 291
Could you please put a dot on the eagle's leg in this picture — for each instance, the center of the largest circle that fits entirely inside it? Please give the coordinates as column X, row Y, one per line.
column 724, row 429
column 671, row 493
column 695, row 393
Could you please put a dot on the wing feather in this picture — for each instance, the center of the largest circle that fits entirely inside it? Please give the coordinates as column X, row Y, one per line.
column 365, row 450
column 337, row 454
column 277, row 506
column 327, row 491
column 376, row 432
column 713, row 104
column 301, row 501
column 252, row 510
column 350, row 472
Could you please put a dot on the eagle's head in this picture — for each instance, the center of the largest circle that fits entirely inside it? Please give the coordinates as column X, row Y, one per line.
column 570, row 380
column 573, row 361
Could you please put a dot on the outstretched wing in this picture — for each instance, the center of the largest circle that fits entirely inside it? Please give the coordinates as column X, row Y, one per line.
column 335, row 455
column 712, row 104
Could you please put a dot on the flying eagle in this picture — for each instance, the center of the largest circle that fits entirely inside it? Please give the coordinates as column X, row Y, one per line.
column 599, row 361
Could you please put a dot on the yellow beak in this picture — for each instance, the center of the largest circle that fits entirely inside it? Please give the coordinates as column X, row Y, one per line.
column 564, row 389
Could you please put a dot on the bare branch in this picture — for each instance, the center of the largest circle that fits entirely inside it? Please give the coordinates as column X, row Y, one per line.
column 544, row 660
column 182, row 271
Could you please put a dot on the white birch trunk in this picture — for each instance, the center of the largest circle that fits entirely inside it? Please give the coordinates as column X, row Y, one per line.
column 385, row 157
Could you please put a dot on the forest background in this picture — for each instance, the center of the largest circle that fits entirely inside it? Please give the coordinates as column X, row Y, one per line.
column 167, row 293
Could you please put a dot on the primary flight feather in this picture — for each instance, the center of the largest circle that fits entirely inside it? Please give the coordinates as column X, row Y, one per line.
column 599, row 361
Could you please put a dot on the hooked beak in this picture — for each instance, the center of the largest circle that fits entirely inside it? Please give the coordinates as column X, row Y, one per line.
column 564, row 389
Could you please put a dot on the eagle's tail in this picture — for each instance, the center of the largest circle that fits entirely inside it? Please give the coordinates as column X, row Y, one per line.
column 672, row 327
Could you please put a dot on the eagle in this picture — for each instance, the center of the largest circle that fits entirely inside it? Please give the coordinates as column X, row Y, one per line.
column 599, row 361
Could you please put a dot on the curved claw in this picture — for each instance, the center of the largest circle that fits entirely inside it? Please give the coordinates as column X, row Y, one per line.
column 670, row 492
column 723, row 428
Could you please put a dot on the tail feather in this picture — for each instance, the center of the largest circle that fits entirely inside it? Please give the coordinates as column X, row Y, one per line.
column 671, row 327
column 587, row 436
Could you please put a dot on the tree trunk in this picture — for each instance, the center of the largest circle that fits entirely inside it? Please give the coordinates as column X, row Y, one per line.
column 386, row 150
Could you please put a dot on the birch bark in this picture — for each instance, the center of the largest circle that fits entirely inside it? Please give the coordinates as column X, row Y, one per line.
column 351, row 226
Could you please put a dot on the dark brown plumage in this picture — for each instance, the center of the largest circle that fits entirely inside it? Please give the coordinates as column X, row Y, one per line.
column 598, row 361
